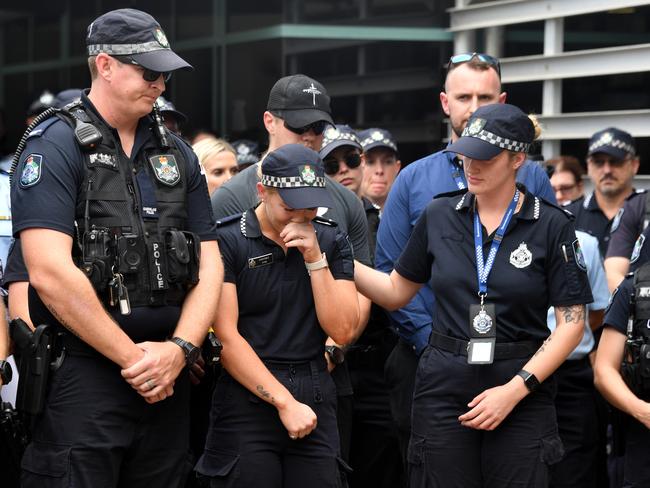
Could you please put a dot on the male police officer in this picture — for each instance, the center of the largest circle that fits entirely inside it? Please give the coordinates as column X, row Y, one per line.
column 113, row 214
column 473, row 80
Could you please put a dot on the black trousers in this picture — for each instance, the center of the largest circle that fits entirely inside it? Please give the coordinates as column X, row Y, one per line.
column 399, row 373
column 580, row 427
column 637, row 455
column 248, row 446
column 96, row 431
column 444, row 454
column 375, row 456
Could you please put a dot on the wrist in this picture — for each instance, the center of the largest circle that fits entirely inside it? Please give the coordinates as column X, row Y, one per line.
column 316, row 265
column 519, row 387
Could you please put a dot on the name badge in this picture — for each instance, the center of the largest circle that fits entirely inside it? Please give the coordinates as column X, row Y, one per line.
column 482, row 328
column 262, row 260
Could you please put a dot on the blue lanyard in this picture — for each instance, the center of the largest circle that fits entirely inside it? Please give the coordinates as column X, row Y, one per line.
column 483, row 268
column 457, row 174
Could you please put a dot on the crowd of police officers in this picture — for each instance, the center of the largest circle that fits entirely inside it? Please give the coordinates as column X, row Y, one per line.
column 186, row 315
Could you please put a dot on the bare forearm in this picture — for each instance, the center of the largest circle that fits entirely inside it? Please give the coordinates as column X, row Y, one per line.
column 243, row 364
column 616, row 268
column 201, row 302
column 337, row 305
column 610, row 383
column 389, row 291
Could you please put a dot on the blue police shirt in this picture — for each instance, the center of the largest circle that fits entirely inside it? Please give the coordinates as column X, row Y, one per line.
column 599, row 290
column 415, row 186
column 277, row 313
column 537, row 265
column 50, row 201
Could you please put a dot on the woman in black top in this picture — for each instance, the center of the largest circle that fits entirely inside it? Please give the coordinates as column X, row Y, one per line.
column 288, row 285
column 483, row 411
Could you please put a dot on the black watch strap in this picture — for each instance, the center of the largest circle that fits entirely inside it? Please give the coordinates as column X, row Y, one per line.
column 191, row 351
column 6, row 373
column 336, row 354
column 530, row 380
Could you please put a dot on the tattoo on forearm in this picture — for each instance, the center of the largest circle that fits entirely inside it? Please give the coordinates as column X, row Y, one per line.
column 574, row 313
column 543, row 346
column 58, row 317
column 265, row 394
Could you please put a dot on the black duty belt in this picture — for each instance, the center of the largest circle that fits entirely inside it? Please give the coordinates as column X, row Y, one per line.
column 502, row 350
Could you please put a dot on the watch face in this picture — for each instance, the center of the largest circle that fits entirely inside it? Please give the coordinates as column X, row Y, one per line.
column 193, row 354
column 336, row 354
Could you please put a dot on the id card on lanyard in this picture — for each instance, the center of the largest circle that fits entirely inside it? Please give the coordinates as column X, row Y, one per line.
column 482, row 316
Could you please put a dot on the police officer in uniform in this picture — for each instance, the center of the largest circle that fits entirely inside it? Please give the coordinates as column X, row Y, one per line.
column 288, row 285
column 622, row 373
column 497, row 257
column 113, row 214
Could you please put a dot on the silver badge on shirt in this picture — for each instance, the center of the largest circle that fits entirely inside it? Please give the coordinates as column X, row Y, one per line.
column 521, row 257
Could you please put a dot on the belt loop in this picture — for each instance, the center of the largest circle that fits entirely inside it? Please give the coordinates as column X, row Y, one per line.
column 315, row 379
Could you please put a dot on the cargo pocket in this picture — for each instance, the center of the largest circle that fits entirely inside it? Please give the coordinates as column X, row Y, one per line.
column 344, row 471
column 416, row 469
column 552, row 449
column 46, row 465
column 218, row 469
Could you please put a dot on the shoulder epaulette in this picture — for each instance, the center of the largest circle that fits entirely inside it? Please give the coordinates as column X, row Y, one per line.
column 228, row 219
column 322, row 220
column 40, row 129
column 454, row 193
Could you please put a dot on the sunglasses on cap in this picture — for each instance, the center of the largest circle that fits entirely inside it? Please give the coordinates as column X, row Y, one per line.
column 352, row 160
column 318, row 127
column 457, row 59
column 147, row 74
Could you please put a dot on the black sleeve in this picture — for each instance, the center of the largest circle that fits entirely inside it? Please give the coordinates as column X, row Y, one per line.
column 49, row 199
column 228, row 248
column 618, row 310
column 627, row 226
column 358, row 229
column 339, row 257
column 200, row 219
column 415, row 262
column 566, row 274
column 15, row 270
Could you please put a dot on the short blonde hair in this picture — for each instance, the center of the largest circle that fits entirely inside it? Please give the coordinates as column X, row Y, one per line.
column 211, row 146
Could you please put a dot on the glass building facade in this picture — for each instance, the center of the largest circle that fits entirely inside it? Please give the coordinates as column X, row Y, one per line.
column 381, row 60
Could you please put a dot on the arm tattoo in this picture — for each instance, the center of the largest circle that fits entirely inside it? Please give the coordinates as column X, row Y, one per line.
column 573, row 313
column 58, row 317
column 265, row 394
column 543, row 346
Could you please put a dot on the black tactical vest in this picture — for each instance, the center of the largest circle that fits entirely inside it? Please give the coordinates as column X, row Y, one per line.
column 130, row 220
column 635, row 367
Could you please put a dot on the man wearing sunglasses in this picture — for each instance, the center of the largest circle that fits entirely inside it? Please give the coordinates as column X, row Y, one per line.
column 611, row 165
column 473, row 80
column 298, row 112
column 101, row 197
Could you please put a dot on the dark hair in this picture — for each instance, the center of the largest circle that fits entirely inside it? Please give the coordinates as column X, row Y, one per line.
column 567, row 163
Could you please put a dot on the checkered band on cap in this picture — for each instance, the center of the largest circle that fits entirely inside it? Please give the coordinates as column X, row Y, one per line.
column 607, row 140
column 333, row 134
column 495, row 140
column 372, row 140
column 292, row 182
column 125, row 49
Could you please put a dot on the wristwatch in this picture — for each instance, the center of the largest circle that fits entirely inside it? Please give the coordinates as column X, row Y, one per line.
column 6, row 373
column 530, row 380
column 336, row 354
column 191, row 351
column 321, row 263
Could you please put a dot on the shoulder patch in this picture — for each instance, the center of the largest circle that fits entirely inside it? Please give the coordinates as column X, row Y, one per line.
column 636, row 252
column 32, row 170
column 228, row 220
column 579, row 257
column 165, row 169
column 617, row 220
column 324, row 221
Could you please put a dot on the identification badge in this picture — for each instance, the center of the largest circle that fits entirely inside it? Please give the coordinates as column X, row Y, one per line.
column 262, row 260
column 482, row 328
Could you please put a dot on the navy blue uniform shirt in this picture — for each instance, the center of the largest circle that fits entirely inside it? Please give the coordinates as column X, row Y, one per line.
column 51, row 202
column 277, row 314
column 591, row 219
column 535, row 267
column 628, row 225
column 619, row 308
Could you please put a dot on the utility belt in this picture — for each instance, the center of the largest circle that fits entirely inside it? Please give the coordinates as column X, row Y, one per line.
column 502, row 350
column 128, row 270
column 287, row 372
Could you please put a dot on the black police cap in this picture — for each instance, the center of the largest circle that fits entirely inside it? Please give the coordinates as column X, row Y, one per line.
column 612, row 141
column 337, row 136
column 133, row 33
column 376, row 137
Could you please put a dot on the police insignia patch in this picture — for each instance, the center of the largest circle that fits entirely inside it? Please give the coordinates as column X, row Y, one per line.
column 636, row 252
column 521, row 257
column 579, row 257
column 617, row 220
column 475, row 127
column 103, row 160
column 161, row 37
column 32, row 170
column 307, row 174
column 165, row 169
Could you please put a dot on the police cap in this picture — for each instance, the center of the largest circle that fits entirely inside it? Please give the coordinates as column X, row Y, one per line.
column 375, row 137
column 168, row 108
column 612, row 141
column 337, row 136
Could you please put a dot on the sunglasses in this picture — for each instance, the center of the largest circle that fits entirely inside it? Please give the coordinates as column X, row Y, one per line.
column 457, row 59
column 147, row 74
column 318, row 127
column 599, row 162
column 352, row 160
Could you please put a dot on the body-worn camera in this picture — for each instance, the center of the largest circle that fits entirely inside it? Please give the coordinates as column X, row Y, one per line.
column 131, row 253
column 97, row 256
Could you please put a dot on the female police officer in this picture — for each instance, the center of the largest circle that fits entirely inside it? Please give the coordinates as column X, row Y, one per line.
column 482, row 413
column 619, row 358
column 288, row 286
